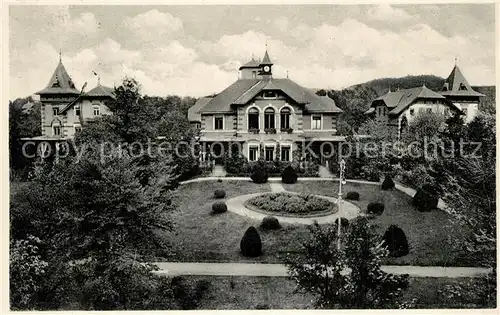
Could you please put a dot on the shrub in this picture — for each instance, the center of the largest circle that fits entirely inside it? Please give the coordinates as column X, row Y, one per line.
column 251, row 245
column 270, row 223
column 219, row 194
column 426, row 198
column 219, row 207
column 219, row 180
column 289, row 175
column 375, row 208
column 291, row 203
column 262, row 306
column 344, row 223
column 388, row 183
column 352, row 195
column 396, row 242
column 259, row 174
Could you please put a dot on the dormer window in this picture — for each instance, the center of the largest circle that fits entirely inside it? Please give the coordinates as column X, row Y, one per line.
column 56, row 82
column 462, row 87
column 270, row 94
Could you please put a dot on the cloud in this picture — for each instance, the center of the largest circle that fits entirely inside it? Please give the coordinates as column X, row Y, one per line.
column 151, row 25
column 385, row 12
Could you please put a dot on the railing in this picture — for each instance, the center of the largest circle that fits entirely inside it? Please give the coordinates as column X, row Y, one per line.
column 253, row 130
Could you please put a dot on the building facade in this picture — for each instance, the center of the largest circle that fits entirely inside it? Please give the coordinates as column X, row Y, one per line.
column 266, row 117
column 65, row 109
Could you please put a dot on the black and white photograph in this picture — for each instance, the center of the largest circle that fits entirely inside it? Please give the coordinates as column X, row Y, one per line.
column 248, row 156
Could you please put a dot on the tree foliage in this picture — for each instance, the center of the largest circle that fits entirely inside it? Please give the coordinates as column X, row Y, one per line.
column 350, row 277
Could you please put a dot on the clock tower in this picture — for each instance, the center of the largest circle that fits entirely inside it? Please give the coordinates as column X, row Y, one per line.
column 266, row 66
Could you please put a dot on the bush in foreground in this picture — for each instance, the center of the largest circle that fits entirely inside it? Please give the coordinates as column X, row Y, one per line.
column 219, row 194
column 426, row 198
column 344, row 223
column 388, row 183
column 219, row 207
column 251, row 245
column 352, row 195
column 289, row 175
column 270, row 223
column 396, row 242
column 375, row 208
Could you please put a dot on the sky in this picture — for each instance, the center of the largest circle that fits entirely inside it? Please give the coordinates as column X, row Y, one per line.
column 197, row 50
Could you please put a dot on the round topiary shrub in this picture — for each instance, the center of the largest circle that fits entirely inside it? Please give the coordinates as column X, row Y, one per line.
column 396, row 242
column 289, row 175
column 344, row 223
column 352, row 195
column 251, row 245
column 219, row 194
column 270, row 223
column 375, row 208
column 426, row 198
column 388, row 183
column 219, row 207
column 219, row 180
column 259, row 174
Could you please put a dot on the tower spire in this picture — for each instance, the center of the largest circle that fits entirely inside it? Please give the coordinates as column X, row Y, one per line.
column 60, row 55
column 456, row 61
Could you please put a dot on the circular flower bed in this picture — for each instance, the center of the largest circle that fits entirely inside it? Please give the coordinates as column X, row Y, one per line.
column 287, row 204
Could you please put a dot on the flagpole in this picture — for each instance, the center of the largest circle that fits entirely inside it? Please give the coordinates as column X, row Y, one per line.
column 339, row 201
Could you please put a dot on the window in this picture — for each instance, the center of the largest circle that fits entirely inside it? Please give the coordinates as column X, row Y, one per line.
column 97, row 110
column 446, row 111
column 285, row 153
column 269, row 94
column 269, row 118
column 55, row 111
column 316, row 122
column 412, row 111
column 57, row 130
column 219, row 122
column 198, row 125
column 253, row 153
column 269, row 153
column 285, row 118
column 463, row 87
column 254, row 74
column 253, row 118
column 78, row 129
column 77, row 110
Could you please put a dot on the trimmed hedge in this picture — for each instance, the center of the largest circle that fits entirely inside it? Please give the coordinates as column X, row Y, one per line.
column 352, row 195
column 344, row 223
column 426, row 198
column 219, row 207
column 396, row 241
column 270, row 223
column 251, row 245
column 219, row 194
column 375, row 208
column 259, row 174
column 388, row 183
column 289, row 175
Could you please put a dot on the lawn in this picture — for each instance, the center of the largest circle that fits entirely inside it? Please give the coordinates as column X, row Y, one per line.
column 203, row 236
column 429, row 234
column 278, row 293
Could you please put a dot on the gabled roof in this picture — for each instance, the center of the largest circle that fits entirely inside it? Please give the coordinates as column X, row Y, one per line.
column 400, row 100
column 266, row 60
column 243, row 91
column 60, row 82
column 456, row 84
column 251, row 64
column 101, row 91
column 194, row 111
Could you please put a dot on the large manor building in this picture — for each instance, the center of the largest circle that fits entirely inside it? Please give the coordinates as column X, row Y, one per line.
column 267, row 116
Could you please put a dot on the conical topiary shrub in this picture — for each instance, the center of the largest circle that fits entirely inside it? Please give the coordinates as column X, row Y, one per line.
column 251, row 245
column 259, row 174
column 396, row 242
column 289, row 175
column 426, row 198
column 388, row 183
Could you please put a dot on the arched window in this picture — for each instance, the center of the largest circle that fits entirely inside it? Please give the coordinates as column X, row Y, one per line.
column 269, row 118
column 285, row 118
column 253, row 118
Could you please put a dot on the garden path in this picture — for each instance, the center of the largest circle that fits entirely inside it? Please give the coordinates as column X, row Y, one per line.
column 276, row 187
column 280, row 270
column 218, row 171
column 237, row 205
